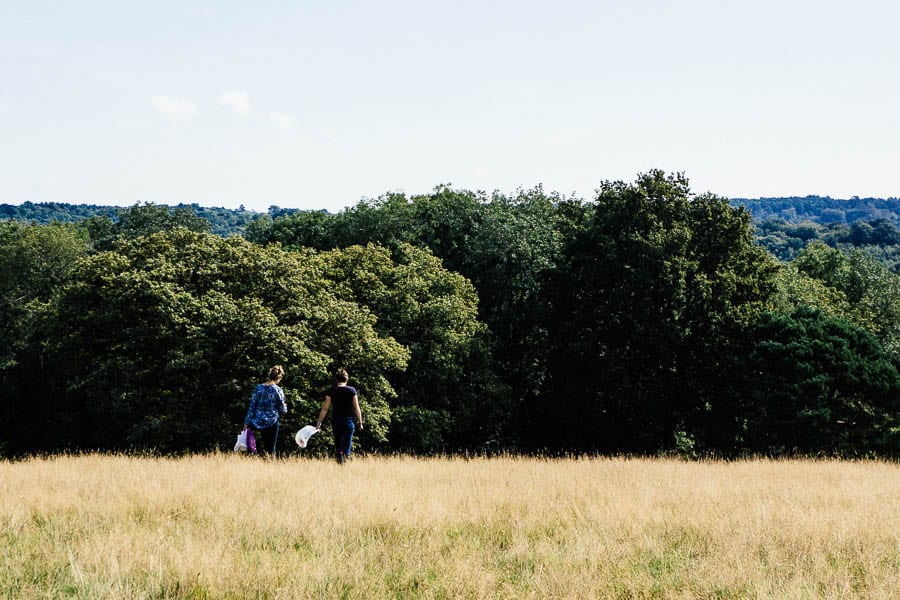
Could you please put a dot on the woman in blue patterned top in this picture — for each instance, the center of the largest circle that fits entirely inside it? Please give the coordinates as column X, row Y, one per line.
column 266, row 407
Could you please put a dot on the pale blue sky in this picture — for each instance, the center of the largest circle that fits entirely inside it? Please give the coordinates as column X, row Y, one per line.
column 316, row 104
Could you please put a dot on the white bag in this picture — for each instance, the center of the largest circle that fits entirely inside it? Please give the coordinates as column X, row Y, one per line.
column 241, row 444
column 304, row 434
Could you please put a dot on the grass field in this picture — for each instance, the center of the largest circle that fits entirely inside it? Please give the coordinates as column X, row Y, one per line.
column 225, row 526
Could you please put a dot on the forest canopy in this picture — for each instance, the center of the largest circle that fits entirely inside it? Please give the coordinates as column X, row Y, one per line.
column 648, row 319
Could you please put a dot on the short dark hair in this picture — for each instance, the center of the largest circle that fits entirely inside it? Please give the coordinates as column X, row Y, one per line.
column 341, row 376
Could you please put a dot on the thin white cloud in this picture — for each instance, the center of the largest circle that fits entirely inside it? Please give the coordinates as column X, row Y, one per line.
column 237, row 101
column 173, row 108
column 282, row 120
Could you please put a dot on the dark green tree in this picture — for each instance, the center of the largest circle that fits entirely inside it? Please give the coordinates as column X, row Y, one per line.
column 142, row 219
column 444, row 398
column 816, row 384
column 503, row 245
column 147, row 218
column 35, row 260
column 303, row 229
column 159, row 341
column 649, row 299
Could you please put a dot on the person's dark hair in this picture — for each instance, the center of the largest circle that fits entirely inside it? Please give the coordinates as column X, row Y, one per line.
column 276, row 372
column 341, row 376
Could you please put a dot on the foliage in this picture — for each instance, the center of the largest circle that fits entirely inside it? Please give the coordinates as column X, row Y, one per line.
column 795, row 288
column 144, row 219
column 139, row 220
column 433, row 312
column 35, row 261
column 152, row 344
column 821, row 209
column 815, row 383
column 48, row 212
column 303, row 229
column 648, row 299
column 503, row 245
column 879, row 238
column 648, row 320
column 157, row 341
column 869, row 293
column 221, row 221
column 784, row 225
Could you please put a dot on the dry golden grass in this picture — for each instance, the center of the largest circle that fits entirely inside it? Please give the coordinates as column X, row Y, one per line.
column 224, row 526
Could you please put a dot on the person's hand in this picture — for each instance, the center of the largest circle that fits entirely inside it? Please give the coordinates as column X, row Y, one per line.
column 361, row 427
column 318, row 426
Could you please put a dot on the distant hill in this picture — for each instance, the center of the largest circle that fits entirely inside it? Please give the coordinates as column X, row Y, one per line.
column 821, row 209
column 45, row 212
column 784, row 226
column 223, row 221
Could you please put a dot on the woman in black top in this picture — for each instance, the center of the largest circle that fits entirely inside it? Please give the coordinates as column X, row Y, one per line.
column 346, row 406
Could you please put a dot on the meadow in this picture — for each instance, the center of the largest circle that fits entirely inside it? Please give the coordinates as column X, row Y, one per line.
column 228, row 526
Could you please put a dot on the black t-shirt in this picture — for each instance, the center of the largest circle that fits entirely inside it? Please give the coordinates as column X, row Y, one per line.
column 342, row 400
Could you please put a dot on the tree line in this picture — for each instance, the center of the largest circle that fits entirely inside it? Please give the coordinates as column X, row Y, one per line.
column 880, row 238
column 783, row 226
column 645, row 320
column 823, row 210
column 221, row 221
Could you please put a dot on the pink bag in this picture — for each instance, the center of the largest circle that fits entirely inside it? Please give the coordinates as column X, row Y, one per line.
column 251, row 442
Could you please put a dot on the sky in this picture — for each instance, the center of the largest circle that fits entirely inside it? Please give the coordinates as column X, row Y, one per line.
column 319, row 104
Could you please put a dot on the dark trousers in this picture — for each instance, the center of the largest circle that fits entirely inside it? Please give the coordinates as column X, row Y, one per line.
column 267, row 440
column 343, row 428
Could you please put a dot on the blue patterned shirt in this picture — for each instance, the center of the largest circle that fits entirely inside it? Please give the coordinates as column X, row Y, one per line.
column 265, row 406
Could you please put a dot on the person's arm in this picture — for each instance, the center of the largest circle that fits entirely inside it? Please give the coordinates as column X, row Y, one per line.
column 323, row 412
column 357, row 411
column 283, row 407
